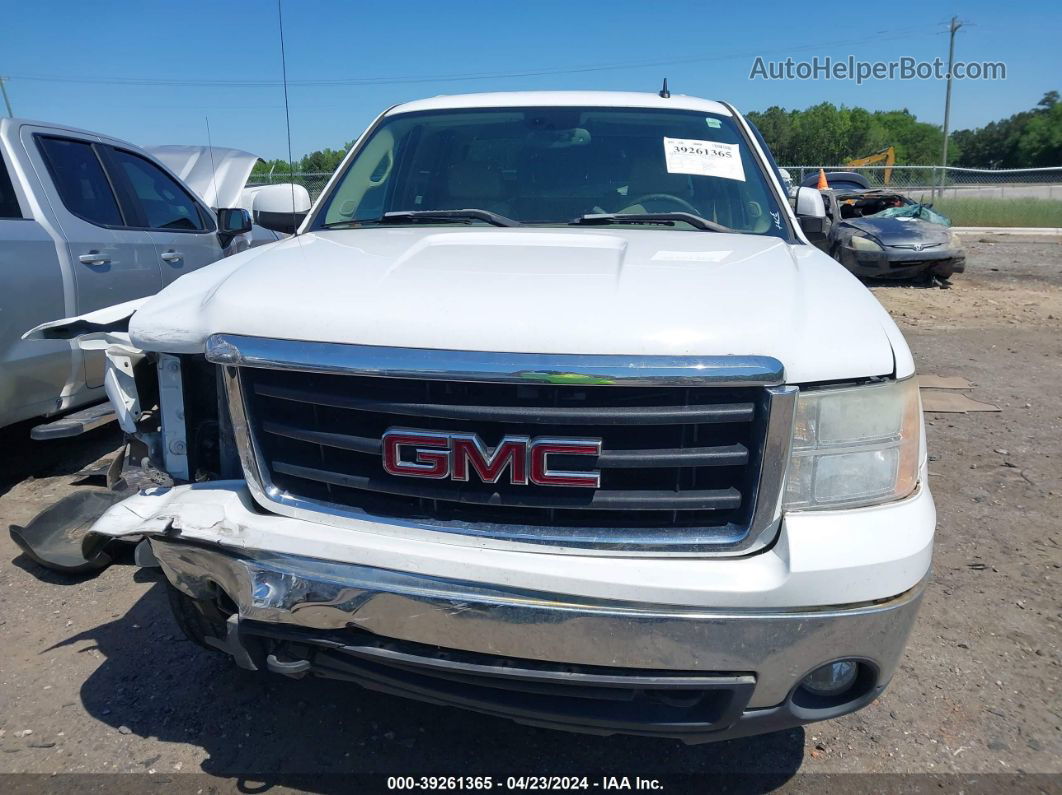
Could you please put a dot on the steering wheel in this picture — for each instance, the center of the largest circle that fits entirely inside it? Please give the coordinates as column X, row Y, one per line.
column 685, row 205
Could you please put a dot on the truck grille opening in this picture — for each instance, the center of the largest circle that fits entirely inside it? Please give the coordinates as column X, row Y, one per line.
column 679, row 465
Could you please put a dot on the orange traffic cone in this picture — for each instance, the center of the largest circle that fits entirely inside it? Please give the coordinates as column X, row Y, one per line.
column 823, row 184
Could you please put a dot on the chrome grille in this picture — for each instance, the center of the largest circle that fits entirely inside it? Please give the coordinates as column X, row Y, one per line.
column 682, row 467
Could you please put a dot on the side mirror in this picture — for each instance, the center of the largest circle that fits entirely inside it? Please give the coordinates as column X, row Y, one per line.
column 271, row 206
column 233, row 221
column 814, row 229
column 811, row 212
column 809, row 202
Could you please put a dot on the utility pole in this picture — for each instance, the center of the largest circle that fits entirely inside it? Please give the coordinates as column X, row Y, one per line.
column 953, row 28
column 7, row 102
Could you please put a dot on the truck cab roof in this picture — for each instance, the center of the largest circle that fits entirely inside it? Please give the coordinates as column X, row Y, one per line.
column 524, row 99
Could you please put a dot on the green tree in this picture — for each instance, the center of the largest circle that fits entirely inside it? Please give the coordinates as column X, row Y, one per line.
column 828, row 135
column 1027, row 139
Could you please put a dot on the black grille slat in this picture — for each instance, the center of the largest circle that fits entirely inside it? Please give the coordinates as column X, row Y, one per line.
column 725, row 455
column 558, row 415
column 358, row 444
column 678, row 465
column 583, row 499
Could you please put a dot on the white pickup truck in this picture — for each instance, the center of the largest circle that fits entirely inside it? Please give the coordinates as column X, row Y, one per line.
column 549, row 411
column 86, row 221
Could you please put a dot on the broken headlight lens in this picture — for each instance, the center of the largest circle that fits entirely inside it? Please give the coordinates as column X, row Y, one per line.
column 863, row 243
column 854, row 446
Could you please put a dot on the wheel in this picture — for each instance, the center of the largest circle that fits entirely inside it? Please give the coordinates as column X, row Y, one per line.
column 198, row 618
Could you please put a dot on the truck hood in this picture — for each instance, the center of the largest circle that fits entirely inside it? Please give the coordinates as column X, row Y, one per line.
column 630, row 292
column 218, row 175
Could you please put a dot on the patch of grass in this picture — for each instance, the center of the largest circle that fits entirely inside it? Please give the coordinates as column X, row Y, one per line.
column 1001, row 212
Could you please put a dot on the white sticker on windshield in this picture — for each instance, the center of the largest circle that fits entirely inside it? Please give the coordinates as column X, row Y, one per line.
column 703, row 158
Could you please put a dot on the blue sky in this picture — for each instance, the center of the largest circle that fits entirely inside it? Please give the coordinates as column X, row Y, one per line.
column 402, row 49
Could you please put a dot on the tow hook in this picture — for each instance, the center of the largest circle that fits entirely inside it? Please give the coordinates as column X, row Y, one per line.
column 233, row 645
column 296, row 669
column 247, row 653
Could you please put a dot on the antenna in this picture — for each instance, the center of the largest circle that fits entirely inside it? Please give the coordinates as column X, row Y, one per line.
column 287, row 114
column 7, row 102
column 213, row 171
column 664, row 93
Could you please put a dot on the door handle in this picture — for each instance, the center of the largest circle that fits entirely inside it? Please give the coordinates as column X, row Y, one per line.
column 93, row 258
column 172, row 256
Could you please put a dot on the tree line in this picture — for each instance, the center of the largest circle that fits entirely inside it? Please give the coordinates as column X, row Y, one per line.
column 830, row 135
column 322, row 161
column 1030, row 139
column 827, row 134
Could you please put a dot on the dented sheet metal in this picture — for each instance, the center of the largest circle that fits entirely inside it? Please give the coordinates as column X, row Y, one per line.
column 55, row 537
column 111, row 320
column 201, row 551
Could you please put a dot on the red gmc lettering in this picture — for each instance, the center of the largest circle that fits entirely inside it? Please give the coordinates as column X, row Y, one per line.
column 427, row 464
column 544, row 476
column 440, row 455
column 510, row 452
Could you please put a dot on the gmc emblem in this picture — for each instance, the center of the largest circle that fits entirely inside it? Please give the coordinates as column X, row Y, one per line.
column 439, row 455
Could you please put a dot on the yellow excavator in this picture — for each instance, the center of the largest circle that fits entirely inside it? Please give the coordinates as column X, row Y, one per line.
column 886, row 156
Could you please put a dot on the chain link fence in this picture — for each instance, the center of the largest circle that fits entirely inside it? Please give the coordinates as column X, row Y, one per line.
column 313, row 181
column 952, row 182
column 1041, row 183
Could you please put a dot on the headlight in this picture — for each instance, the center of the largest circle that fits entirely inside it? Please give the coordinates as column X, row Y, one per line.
column 854, row 446
column 862, row 243
column 954, row 239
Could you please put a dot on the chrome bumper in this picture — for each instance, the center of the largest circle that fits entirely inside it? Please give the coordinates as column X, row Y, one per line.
column 777, row 647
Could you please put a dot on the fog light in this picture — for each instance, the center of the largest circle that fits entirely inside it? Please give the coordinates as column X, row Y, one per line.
column 831, row 679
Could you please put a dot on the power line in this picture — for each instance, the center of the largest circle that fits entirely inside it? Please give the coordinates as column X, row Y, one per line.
column 883, row 35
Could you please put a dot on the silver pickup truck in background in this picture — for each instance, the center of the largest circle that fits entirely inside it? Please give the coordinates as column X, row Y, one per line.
column 87, row 221
column 219, row 176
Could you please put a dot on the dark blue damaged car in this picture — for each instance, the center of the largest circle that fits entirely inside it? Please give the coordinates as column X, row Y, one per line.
column 885, row 235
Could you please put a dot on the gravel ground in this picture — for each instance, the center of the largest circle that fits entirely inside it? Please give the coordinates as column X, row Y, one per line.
column 96, row 678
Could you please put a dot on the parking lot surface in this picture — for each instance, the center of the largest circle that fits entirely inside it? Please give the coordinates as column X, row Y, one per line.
column 96, row 678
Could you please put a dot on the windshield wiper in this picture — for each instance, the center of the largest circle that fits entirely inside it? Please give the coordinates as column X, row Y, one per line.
column 428, row 216
column 470, row 214
column 651, row 218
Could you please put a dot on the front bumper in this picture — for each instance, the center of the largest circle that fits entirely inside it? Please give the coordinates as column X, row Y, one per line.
column 542, row 659
column 746, row 630
column 903, row 263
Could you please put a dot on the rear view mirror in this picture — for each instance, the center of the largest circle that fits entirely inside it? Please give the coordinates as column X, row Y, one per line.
column 272, row 207
column 233, row 221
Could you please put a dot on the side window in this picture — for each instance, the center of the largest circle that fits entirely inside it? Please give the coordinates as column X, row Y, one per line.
column 79, row 178
column 8, row 201
column 163, row 202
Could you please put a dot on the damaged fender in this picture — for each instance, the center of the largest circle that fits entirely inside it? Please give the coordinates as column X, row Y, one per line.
column 105, row 329
column 58, row 538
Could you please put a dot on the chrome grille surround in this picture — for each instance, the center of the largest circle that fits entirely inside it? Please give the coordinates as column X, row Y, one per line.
column 237, row 352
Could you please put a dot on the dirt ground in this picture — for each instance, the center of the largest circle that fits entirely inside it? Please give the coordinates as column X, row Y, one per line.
column 95, row 678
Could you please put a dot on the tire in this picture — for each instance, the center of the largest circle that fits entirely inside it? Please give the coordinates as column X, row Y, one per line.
column 198, row 618
column 943, row 271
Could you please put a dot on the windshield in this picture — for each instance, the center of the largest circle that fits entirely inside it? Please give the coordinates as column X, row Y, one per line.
column 555, row 165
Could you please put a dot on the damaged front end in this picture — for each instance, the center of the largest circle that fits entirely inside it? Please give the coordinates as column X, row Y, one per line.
column 176, row 431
